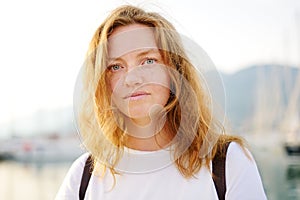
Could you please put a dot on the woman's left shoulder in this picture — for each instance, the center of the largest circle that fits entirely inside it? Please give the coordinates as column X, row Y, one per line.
column 239, row 158
column 236, row 151
column 243, row 179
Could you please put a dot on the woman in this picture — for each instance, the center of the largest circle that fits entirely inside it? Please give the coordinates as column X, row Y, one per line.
column 146, row 120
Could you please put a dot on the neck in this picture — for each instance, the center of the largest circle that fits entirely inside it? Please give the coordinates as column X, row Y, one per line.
column 150, row 137
column 153, row 143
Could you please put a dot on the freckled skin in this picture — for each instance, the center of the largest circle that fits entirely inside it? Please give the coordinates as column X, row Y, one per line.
column 137, row 77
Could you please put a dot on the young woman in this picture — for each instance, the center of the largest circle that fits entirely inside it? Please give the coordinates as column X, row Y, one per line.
column 146, row 120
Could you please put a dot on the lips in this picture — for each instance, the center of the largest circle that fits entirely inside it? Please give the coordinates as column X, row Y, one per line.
column 136, row 95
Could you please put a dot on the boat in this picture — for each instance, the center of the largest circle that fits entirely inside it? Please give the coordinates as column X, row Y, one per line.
column 291, row 128
column 292, row 143
column 40, row 149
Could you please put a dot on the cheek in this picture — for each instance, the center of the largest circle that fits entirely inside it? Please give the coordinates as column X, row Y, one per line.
column 112, row 85
column 161, row 94
column 158, row 75
column 113, row 82
column 116, row 90
column 165, row 95
column 162, row 82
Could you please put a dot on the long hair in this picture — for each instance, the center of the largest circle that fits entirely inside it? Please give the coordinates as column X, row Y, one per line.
column 189, row 113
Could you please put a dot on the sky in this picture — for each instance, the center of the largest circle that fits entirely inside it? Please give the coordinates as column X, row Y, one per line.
column 43, row 42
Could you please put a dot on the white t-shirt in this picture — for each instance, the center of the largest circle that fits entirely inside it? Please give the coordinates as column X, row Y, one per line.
column 242, row 181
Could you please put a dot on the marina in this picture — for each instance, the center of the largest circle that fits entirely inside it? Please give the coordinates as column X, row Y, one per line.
column 280, row 172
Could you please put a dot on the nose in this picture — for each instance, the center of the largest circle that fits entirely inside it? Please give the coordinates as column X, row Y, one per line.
column 133, row 77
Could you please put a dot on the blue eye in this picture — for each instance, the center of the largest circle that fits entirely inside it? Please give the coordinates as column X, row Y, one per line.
column 150, row 61
column 114, row 67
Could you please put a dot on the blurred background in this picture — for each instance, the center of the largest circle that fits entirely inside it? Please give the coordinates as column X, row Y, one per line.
column 255, row 46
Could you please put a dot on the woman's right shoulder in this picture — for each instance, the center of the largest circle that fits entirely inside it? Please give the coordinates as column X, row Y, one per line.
column 79, row 162
column 76, row 170
column 71, row 183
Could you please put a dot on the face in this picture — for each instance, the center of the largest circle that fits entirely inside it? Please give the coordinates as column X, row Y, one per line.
column 136, row 75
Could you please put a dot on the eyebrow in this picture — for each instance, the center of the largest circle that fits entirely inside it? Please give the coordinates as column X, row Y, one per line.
column 143, row 53
column 140, row 54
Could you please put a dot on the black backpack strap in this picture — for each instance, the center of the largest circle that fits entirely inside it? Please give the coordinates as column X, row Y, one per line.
column 218, row 170
column 86, row 175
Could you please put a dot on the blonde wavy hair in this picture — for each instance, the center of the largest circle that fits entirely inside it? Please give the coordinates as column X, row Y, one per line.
column 100, row 132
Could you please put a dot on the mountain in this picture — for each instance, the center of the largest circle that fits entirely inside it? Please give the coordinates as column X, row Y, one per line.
column 259, row 95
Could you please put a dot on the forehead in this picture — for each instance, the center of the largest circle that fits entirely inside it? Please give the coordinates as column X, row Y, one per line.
column 130, row 38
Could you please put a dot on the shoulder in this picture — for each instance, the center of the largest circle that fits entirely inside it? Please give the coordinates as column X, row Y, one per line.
column 79, row 162
column 71, row 183
column 76, row 168
column 243, row 180
column 238, row 159
column 236, row 152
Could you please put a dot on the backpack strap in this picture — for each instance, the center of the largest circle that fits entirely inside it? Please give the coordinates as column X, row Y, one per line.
column 218, row 170
column 86, row 175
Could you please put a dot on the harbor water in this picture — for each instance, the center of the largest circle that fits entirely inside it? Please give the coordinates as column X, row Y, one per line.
column 40, row 180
